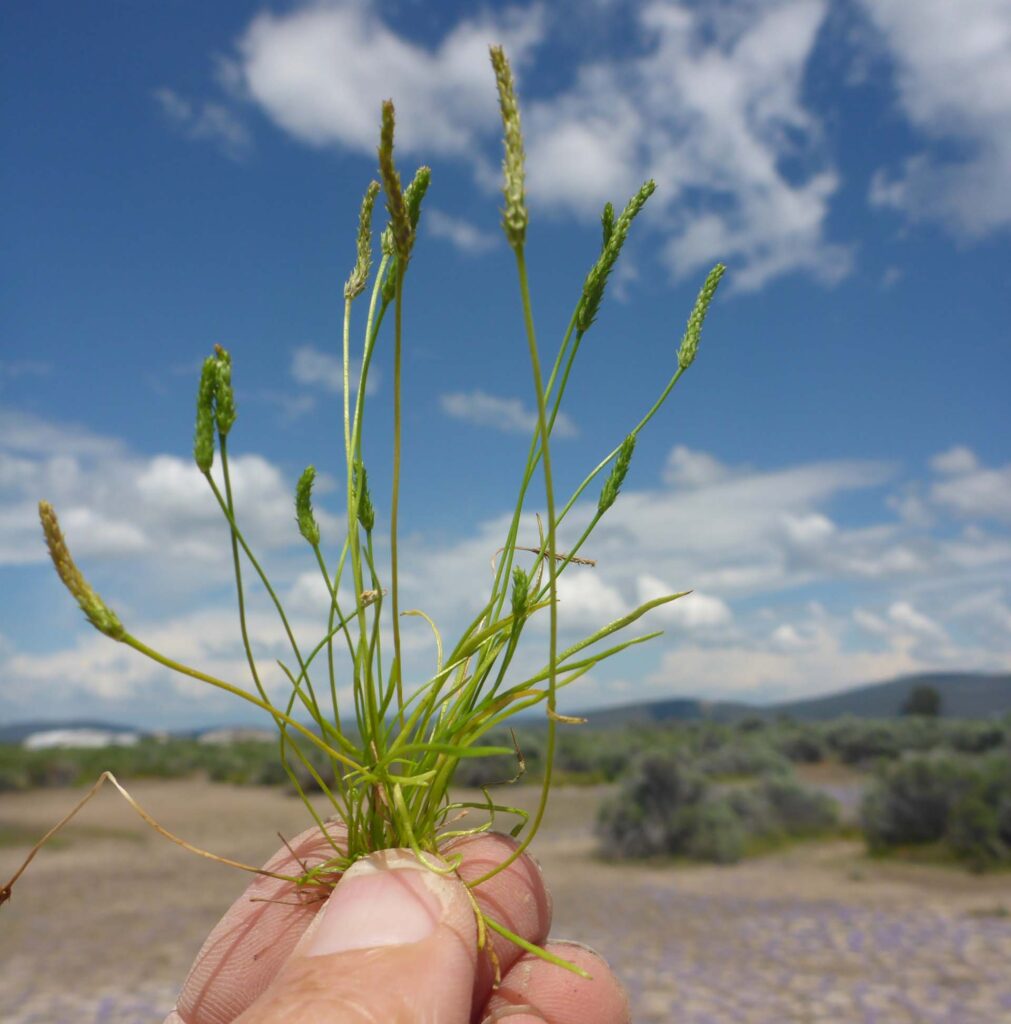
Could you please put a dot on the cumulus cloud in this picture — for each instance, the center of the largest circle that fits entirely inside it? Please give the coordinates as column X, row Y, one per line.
column 954, row 461
column 712, row 108
column 320, row 72
column 815, row 652
column 694, row 611
column 115, row 503
column 780, row 665
column 689, row 468
column 206, row 121
column 750, row 540
column 586, row 602
column 903, row 614
column 710, row 105
column 23, row 433
column 459, row 232
column 739, row 532
column 755, row 544
column 508, row 415
column 710, row 100
column 969, row 489
column 313, row 368
column 94, row 670
column 953, row 82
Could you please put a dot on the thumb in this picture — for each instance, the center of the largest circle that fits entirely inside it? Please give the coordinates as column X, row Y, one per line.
column 395, row 942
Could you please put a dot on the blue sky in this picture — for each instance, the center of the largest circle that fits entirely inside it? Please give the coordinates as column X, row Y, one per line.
column 832, row 477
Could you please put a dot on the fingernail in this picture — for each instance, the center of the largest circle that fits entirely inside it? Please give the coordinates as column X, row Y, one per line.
column 579, row 945
column 387, row 899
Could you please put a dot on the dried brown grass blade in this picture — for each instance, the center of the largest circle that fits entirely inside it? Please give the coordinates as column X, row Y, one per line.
column 5, row 892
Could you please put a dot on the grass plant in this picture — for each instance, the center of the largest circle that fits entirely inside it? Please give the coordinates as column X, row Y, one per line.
column 391, row 752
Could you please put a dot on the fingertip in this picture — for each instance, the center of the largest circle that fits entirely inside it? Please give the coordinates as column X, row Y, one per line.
column 516, row 897
column 557, row 996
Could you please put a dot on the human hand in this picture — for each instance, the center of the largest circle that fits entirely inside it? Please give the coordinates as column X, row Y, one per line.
column 395, row 943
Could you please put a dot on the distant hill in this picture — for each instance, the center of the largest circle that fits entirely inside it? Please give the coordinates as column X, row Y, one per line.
column 963, row 695
column 673, row 709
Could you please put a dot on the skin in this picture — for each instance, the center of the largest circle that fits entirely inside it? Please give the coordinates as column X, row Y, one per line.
column 395, row 943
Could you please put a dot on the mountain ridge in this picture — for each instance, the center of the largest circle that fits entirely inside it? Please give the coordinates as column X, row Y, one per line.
column 963, row 695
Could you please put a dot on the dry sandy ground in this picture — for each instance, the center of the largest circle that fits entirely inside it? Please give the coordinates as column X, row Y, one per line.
column 102, row 929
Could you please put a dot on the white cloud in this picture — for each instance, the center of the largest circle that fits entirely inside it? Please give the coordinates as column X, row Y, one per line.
column 808, row 531
column 788, row 638
column 757, row 670
column 954, row 461
column 208, row 121
column 953, row 79
column 100, row 535
column 321, row 71
column 969, row 489
column 813, row 655
column 314, row 368
column 585, row 601
column 710, row 104
column 984, row 493
column 754, row 542
column 733, row 536
column 25, row 433
column 689, row 468
column 870, row 622
column 903, row 614
column 207, row 638
column 115, row 503
column 461, row 233
column 711, row 108
column 986, row 609
column 508, row 415
column 692, row 612
column 911, row 506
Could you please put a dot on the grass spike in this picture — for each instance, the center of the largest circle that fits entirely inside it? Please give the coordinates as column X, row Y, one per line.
column 95, row 609
column 514, row 216
column 359, row 276
column 693, row 332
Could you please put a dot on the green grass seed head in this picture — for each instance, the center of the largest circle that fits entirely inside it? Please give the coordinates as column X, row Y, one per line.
column 520, row 594
column 615, row 232
column 609, row 492
column 607, row 224
column 98, row 613
column 693, row 331
column 203, row 434
column 416, row 192
column 413, row 195
column 359, row 276
column 401, row 229
column 514, row 216
column 224, row 396
column 307, row 524
column 363, row 500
